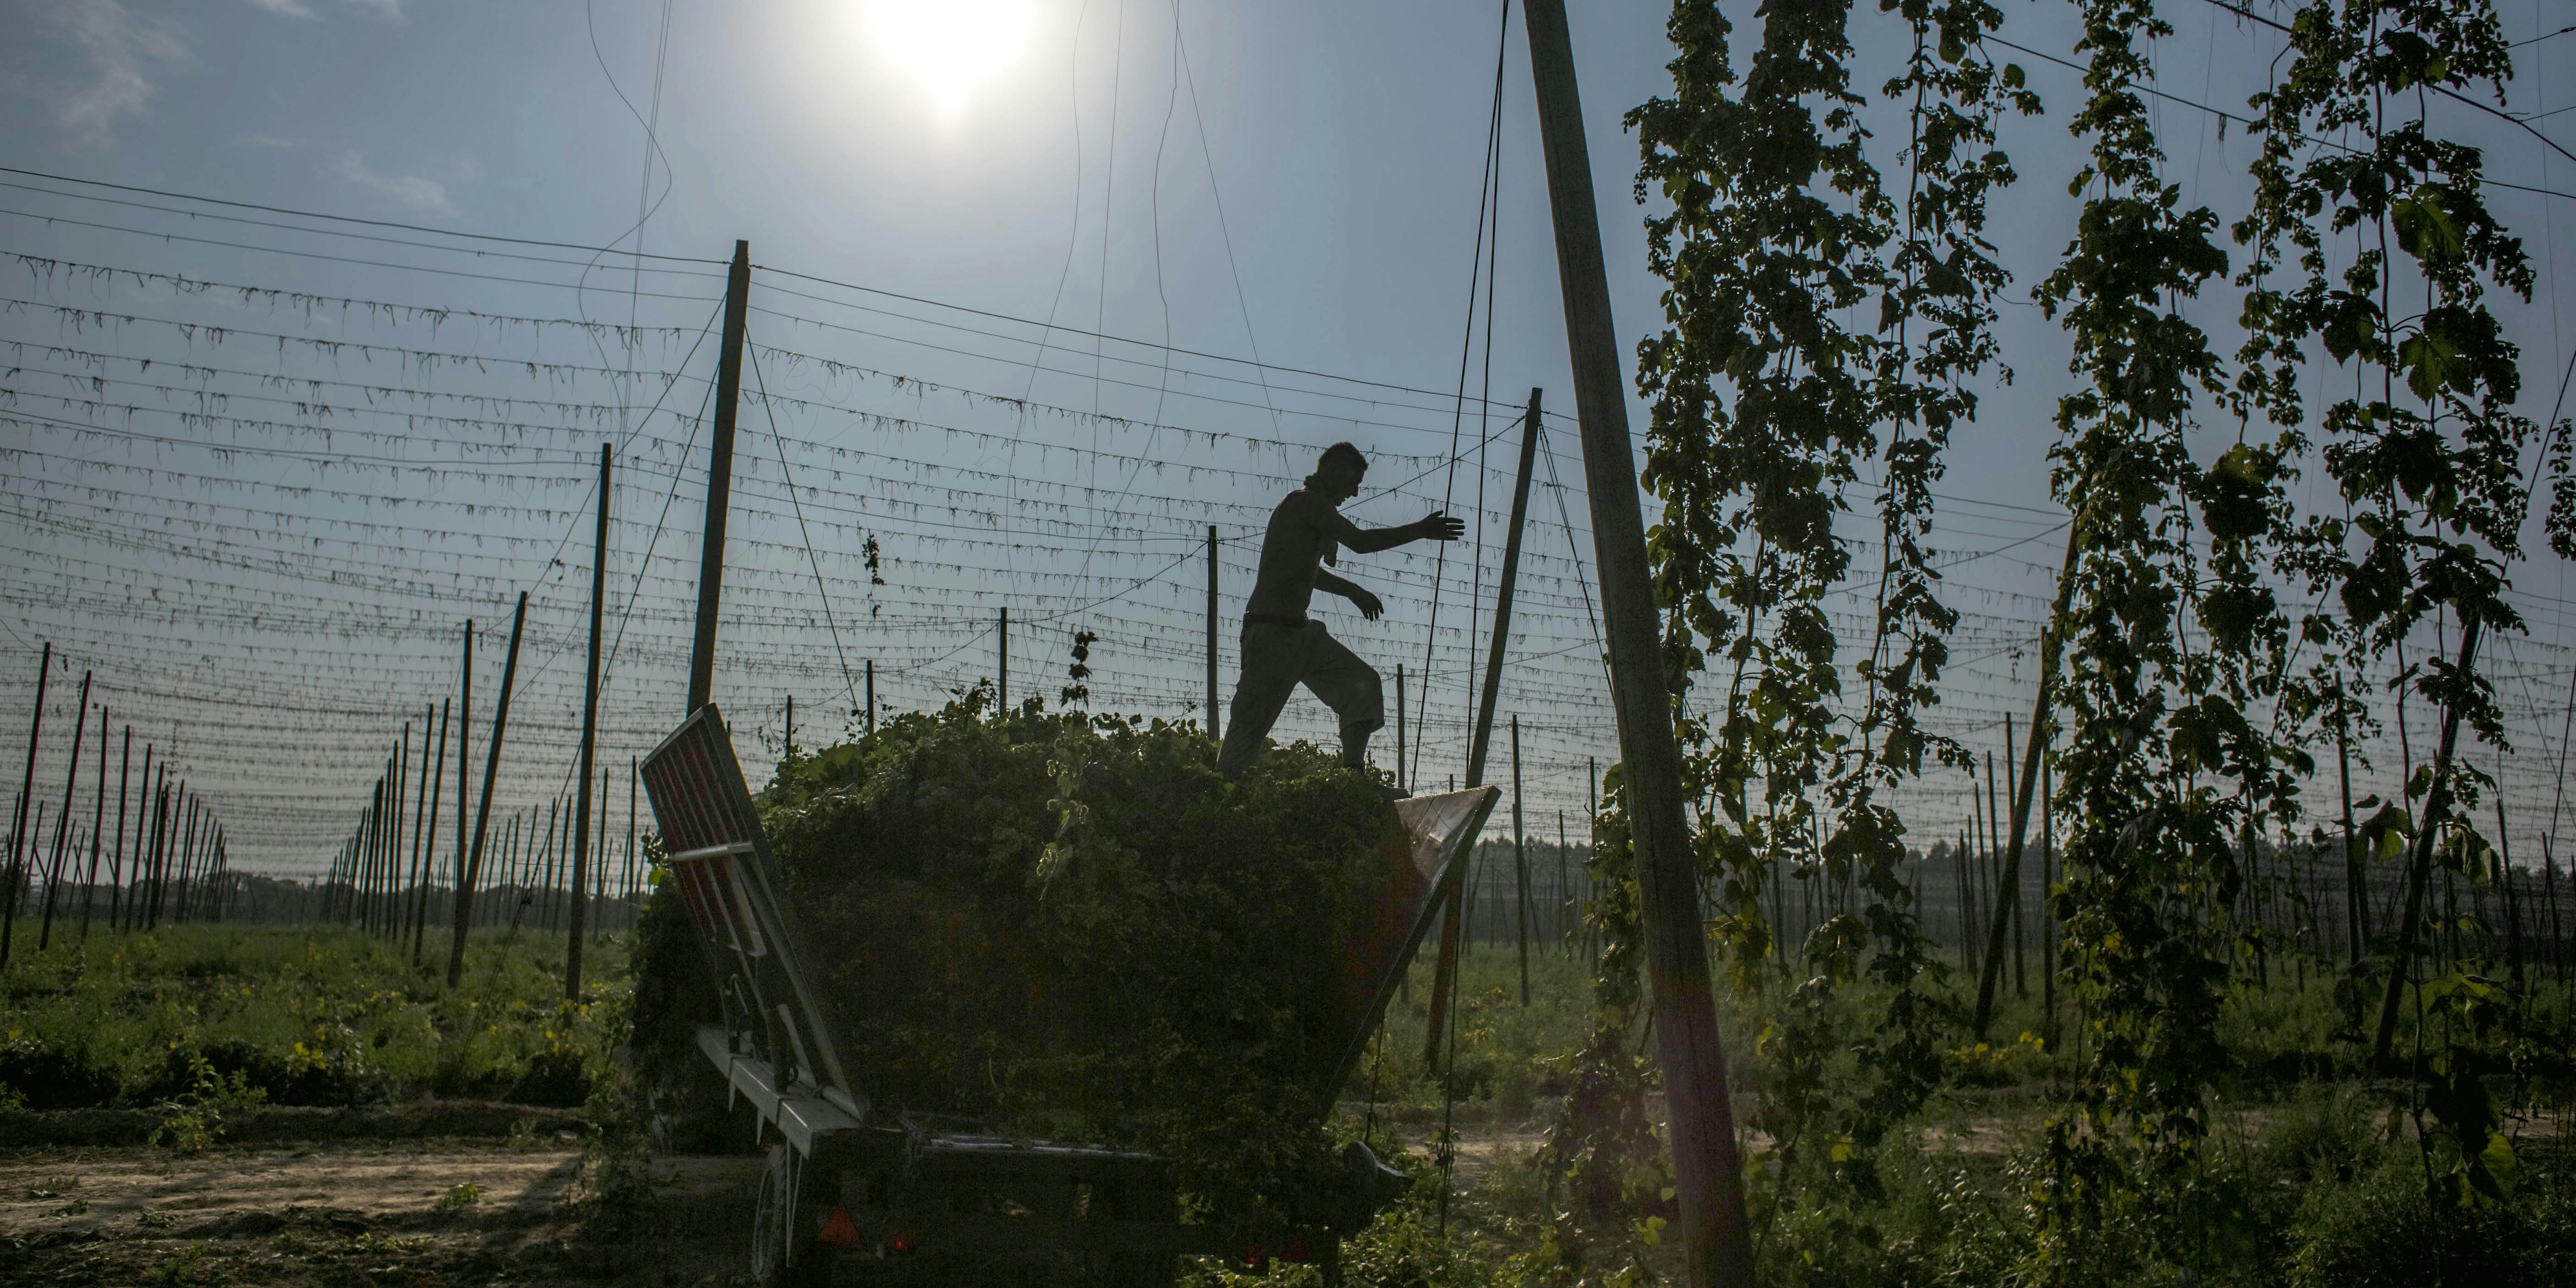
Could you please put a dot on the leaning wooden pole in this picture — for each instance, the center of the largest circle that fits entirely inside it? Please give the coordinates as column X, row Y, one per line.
column 2051, row 641
column 2419, row 858
column 26, row 800
column 483, row 809
column 728, row 398
column 63, row 821
column 1216, row 733
column 464, row 767
column 589, row 744
column 97, row 825
column 1708, row 1175
column 1520, row 863
column 437, row 783
column 1444, row 974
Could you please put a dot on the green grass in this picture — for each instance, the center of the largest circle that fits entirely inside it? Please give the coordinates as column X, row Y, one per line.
column 305, row 1015
column 2309, row 1180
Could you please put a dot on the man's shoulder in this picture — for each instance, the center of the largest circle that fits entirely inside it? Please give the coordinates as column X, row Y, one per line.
column 1303, row 505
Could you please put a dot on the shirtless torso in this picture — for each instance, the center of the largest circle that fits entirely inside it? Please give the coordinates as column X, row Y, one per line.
column 1305, row 537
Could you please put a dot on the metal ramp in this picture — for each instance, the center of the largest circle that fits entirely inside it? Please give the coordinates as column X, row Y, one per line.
column 1425, row 857
column 776, row 1040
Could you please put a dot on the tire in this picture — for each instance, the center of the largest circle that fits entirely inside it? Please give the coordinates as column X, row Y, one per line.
column 784, row 1253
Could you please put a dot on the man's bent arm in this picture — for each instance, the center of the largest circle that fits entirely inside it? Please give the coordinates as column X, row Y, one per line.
column 1332, row 585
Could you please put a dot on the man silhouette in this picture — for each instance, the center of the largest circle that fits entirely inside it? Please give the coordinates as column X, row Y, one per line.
column 1282, row 648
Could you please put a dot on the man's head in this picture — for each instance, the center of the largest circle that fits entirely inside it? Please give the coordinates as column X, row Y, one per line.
column 1337, row 476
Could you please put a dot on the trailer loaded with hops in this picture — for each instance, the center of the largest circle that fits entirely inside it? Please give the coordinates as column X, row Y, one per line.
column 849, row 999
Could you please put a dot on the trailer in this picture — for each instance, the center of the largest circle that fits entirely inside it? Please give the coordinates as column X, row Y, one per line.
column 849, row 1186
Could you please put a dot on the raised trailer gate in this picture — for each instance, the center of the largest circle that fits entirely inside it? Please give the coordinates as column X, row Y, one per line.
column 847, row 1182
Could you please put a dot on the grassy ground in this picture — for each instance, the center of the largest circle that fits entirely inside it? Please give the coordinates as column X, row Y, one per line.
column 319, row 1016
column 2312, row 1178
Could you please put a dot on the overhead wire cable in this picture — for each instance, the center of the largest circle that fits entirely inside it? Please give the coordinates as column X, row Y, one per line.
column 1466, row 349
column 1225, row 230
column 345, row 259
column 788, row 479
column 344, row 219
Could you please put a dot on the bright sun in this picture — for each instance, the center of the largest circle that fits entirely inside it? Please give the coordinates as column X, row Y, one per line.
column 948, row 47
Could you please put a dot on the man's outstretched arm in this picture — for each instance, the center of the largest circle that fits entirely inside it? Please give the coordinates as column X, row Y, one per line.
column 1435, row 526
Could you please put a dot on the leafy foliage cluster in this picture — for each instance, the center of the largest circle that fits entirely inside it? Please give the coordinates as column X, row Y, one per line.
column 1072, row 925
column 2426, row 452
column 1772, row 415
column 2178, row 691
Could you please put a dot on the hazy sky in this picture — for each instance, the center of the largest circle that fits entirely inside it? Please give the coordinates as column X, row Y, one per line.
column 275, row 610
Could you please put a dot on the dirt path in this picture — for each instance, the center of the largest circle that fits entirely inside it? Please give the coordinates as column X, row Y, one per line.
column 425, row 1213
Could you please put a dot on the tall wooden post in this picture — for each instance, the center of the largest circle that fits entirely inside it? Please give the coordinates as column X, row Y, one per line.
column 1444, row 975
column 2041, row 703
column 872, row 695
column 634, row 775
column 1002, row 638
column 2549, row 895
column 63, row 822
column 1402, row 778
column 2356, row 903
column 429, row 846
column 590, row 742
column 97, row 826
column 483, row 810
column 1707, row 1174
column 1591, row 846
column 599, row 863
column 464, row 749
column 124, row 798
column 2047, row 911
column 26, row 798
column 1214, row 728
column 160, row 848
column 372, row 857
column 2512, row 905
column 422, row 818
column 1564, row 887
column 1520, row 862
column 2419, row 855
column 702, row 653
column 133, row 887
column 388, row 912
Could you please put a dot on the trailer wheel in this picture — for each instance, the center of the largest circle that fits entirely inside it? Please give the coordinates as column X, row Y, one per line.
column 783, row 1252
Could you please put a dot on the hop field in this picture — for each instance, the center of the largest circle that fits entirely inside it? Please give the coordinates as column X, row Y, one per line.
column 317, row 1016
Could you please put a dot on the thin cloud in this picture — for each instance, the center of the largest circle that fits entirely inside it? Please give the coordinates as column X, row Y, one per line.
column 410, row 191
column 268, row 141
column 388, row 10
column 103, row 76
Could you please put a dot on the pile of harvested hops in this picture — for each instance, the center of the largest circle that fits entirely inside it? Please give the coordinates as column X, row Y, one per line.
column 1071, row 926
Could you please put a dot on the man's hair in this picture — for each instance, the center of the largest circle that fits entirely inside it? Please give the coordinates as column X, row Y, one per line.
column 1344, row 453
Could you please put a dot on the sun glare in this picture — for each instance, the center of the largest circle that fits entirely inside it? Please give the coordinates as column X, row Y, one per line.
column 948, row 47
